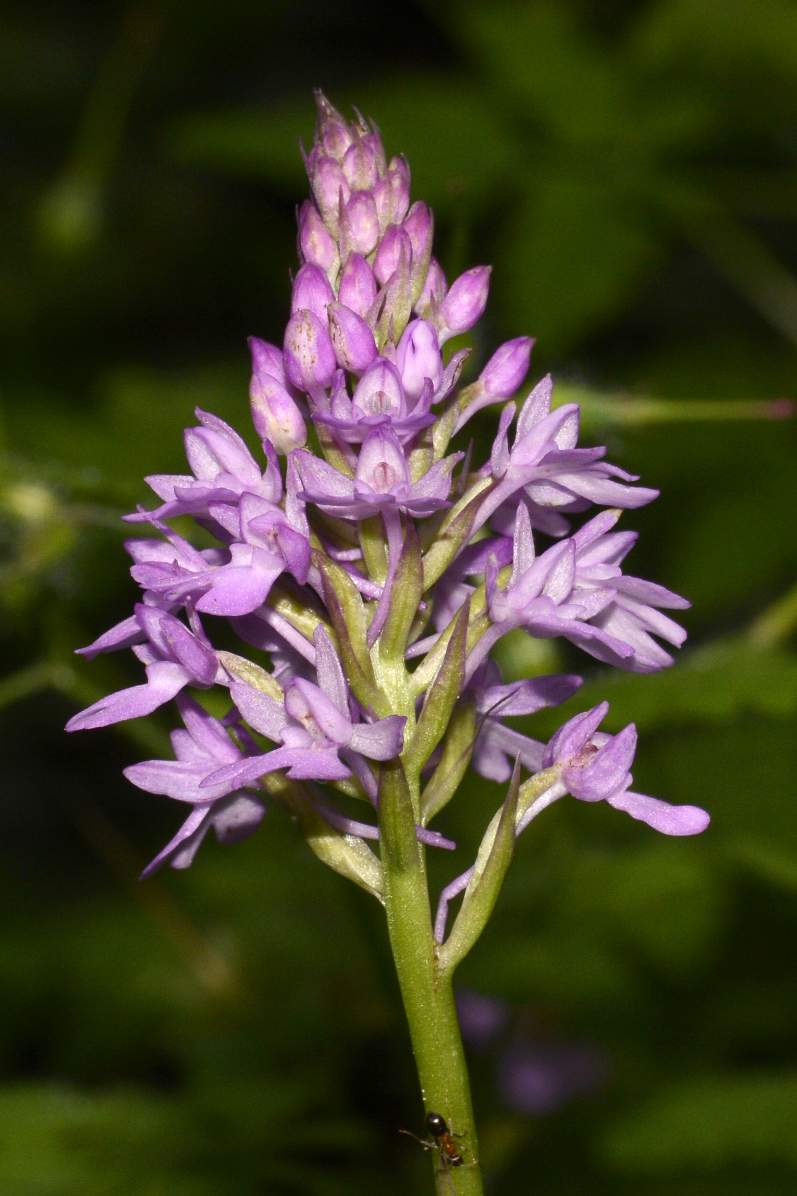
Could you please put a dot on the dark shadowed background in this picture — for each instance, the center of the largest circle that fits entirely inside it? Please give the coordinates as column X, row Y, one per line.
column 631, row 171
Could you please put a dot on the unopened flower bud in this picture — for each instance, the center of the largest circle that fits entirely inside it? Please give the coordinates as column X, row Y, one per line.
column 465, row 301
column 332, row 132
column 360, row 165
column 398, row 175
column 357, row 287
column 389, row 251
column 419, row 225
column 354, row 343
column 316, row 244
column 382, row 193
column 329, row 184
column 376, row 149
column 396, row 297
column 434, row 291
column 309, row 357
column 507, row 368
column 359, row 222
column 275, row 415
column 311, row 291
column 267, row 359
column 418, row 358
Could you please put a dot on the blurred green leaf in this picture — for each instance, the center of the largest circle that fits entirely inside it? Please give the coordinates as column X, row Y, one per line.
column 708, row 1123
column 561, row 224
column 713, row 684
column 416, row 119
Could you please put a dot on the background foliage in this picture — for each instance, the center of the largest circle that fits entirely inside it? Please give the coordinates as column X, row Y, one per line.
column 631, row 170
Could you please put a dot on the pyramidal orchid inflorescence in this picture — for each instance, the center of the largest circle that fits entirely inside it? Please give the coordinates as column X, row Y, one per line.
column 368, row 567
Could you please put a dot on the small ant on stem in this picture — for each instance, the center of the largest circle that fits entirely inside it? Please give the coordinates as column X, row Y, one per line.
column 441, row 1139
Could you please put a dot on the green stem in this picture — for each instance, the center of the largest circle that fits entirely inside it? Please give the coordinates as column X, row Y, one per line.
column 427, row 993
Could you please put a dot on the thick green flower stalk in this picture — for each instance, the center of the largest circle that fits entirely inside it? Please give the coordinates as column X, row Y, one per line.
column 368, row 567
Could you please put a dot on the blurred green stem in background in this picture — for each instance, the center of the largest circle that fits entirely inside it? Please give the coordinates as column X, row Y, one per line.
column 777, row 622
column 70, row 213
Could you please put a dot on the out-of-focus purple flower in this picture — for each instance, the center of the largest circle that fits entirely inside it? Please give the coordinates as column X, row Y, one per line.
column 481, row 1018
column 540, row 1077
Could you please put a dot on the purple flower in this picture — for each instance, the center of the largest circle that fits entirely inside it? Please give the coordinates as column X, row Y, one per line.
column 203, row 745
column 557, row 475
column 349, row 517
column 381, row 482
column 464, row 304
column 418, row 358
column 313, row 726
column 237, row 579
column 353, row 340
column 497, row 747
column 595, row 767
column 576, row 589
column 223, row 469
column 378, row 400
column 173, row 657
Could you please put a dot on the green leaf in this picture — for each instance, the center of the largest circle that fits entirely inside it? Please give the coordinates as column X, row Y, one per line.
column 347, row 611
column 347, row 855
column 250, row 673
column 441, row 697
column 453, row 763
column 449, row 541
column 419, row 117
column 405, row 596
column 724, row 680
column 572, row 254
column 492, row 862
column 710, row 1123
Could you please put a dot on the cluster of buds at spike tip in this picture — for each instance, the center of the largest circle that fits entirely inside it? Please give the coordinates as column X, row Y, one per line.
column 368, row 566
